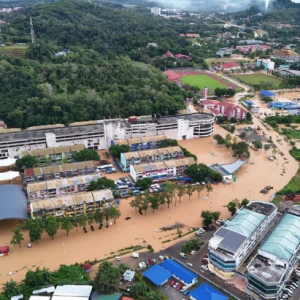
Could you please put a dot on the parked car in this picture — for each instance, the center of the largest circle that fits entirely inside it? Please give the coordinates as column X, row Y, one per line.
column 118, row 258
column 161, row 258
column 204, row 267
column 179, row 287
column 172, row 282
column 227, row 283
column 151, row 262
column 135, row 255
column 142, row 265
column 189, row 264
column 176, row 285
column 193, row 252
column 184, row 288
column 183, row 255
column 204, row 261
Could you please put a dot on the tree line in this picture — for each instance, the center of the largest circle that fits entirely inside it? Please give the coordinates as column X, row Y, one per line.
column 51, row 225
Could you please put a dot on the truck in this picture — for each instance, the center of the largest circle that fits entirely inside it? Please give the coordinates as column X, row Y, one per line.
column 4, row 251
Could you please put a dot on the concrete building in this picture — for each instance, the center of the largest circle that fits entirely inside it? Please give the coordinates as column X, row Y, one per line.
column 229, row 66
column 72, row 205
column 267, row 64
column 252, row 48
column 59, row 171
column 156, row 11
column 270, row 269
column 232, row 243
column 149, row 156
column 287, row 55
column 286, row 105
column 53, row 188
column 224, row 52
column 290, row 73
column 101, row 134
column 161, row 171
column 57, row 154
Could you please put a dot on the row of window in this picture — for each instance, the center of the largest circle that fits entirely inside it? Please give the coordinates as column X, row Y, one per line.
column 226, row 266
column 266, row 289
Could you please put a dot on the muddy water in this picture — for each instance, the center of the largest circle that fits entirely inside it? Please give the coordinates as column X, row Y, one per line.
column 79, row 247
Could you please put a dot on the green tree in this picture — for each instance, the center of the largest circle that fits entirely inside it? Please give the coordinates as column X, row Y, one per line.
column 144, row 183
column 161, row 200
column 17, row 237
column 168, row 143
column 86, row 154
column 107, row 278
column 115, row 213
column 116, row 150
column 107, row 215
column 153, row 201
column 90, row 218
column 209, row 189
column 220, row 140
column 51, row 226
column 267, row 147
column 207, row 217
column 10, row 289
column 101, row 184
column 75, row 221
column 36, row 228
column 243, row 134
column 38, row 277
column 232, row 207
column 135, row 203
column 181, row 190
column 98, row 216
column 249, row 116
column 241, row 150
column 27, row 162
column 244, row 202
column 199, row 188
column 82, row 220
column 67, row 224
column 168, row 192
column 190, row 190
column 257, row 144
column 190, row 245
column 202, row 173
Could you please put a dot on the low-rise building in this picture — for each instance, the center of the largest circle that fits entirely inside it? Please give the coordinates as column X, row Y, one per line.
column 55, row 154
column 59, row 171
column 156, row 11
column 72, row 205
column 149, row 156
column 232, row 243
column 229, row 66
column 225, row 52
column 270, row 269
column 161, row 171
column 287, row 55
column 252, row 48
column 53, row 188
column 267, row 64
column 284, row 105
column 290, row 73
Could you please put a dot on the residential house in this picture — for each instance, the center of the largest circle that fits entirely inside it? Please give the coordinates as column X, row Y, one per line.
column 290, row 73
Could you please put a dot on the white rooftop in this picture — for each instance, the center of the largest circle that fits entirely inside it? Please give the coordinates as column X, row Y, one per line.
column 73, row 291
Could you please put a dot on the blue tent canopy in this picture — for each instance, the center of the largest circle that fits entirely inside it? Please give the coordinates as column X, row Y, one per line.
column 267, row 93
column 207, row 292
column 179, row 271
column 157, row 275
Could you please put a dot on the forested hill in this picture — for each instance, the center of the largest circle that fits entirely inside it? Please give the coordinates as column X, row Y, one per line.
column 96, row 80
column 106, row 30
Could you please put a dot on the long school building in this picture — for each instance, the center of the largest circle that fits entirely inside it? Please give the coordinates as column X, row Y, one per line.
column 100, row 134
column 72, row 205
column 276, row 259
column 57, row 187
column 149, row 156
column 161, row 171
column 232, row 243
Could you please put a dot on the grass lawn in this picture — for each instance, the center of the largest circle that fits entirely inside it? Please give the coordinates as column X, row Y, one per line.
column 254, row 79
column 293, row 185
column 15, row 50
column 221, row 60
column 202, row 81
column 291, row 133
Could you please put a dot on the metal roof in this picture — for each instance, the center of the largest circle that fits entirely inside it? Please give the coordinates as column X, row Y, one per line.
column 285, row 238
column 245, row 222
column 12, row 202
column 73, row 291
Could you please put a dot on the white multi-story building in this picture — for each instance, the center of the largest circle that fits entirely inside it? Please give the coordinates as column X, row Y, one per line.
column 101, row 134
column 156, row 11
column 233, row 242
column 270, row 269
column 266, row 63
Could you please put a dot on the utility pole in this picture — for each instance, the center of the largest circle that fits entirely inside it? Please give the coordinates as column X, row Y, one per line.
column 32, row 31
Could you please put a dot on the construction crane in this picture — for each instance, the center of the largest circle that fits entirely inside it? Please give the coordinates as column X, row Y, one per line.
column 32, row 31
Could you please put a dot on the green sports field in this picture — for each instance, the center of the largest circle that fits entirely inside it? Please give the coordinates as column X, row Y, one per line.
column 254, row 79
column 202, row 81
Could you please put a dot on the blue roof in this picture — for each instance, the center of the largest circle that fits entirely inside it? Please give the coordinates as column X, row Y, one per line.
column 267, row 93
column 207, row 292
column 179, row 271
column 157, row 274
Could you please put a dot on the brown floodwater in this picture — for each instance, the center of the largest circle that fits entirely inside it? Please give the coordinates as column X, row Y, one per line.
column 79, row 247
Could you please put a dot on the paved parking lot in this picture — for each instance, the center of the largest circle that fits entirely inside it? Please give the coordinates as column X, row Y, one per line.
column 171, row 292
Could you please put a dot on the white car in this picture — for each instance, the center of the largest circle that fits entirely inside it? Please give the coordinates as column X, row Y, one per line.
column 189, row 264
column 198, row 233
column 118, row 258
column 193, row 252
column 176, row 285
column 142, row 265
column 204, row 267
column 161, row 258
column 184, row 289
column 182, row 255
column 135, row 255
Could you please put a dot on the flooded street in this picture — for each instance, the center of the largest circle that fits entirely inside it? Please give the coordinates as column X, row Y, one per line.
column 142, row 230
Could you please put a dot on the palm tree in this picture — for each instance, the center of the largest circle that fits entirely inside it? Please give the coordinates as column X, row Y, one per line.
column 199, row 188
column 115, row 213
column 135, row 203
column 10, row 289
column 107, row 215
column 98, row 217
column 82, row 219
column 90, row 218
column 190, row 190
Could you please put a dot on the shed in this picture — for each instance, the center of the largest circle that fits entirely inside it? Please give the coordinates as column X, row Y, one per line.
column 158, row 275
column 73, row 291
column 266, row 93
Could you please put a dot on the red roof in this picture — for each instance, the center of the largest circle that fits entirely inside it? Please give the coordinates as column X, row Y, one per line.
column 172, row 76
column 214, row 111
column 230, row 65
column 193, row 35
column 126, row 298
column 169, row 54
column 29, row 172
column 210, row 102
column 179, row 56
column 2, row 22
